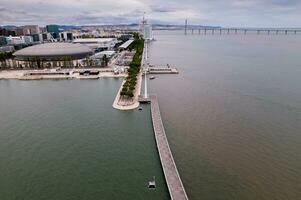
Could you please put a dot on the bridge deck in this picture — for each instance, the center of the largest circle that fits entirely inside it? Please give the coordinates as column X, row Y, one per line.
column 173, row 180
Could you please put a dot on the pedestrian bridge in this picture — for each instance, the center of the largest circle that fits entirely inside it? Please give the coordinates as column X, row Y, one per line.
column 172, row 177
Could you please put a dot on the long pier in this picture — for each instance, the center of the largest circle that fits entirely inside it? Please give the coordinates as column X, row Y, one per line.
column 162, row 70
column 172, row 177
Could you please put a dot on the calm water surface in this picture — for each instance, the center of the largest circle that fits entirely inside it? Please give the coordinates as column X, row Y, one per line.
column 233, row 114
column 63, row 140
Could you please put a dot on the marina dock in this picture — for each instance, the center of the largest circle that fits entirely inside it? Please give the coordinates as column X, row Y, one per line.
column 162, row 70
column 172, row 177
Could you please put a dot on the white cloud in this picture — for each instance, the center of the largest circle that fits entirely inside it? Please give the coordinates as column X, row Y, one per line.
column 214, row 12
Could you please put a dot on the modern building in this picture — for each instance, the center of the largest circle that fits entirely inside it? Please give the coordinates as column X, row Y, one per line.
column 98, row 44
column 53, row 54
column 3, row 41
column 66, row 36
column 101, row 54
column 19, row 40
column 28, row 39
column 125, row 45
column 15, row 40
column 28, row 30
column 6, row 32
column 46, row 37
column 19, row 31
column 146, row 30
column 32, row 29
column 98, row 58
column 37, row 38
column 7, row 49
column 53, row 30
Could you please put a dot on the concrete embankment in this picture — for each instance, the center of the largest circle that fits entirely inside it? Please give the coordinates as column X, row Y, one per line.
column 44, row 74
column 128, row 104
column 131, row 103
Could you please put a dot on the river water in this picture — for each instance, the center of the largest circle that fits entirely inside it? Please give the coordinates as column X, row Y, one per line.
column 63, row 140
column 233, row 114
column 232, row 117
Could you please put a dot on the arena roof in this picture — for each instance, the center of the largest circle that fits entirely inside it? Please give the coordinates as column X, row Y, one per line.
column 54, row 50
column 94, row 40
column 102, row 53
column 96, row 43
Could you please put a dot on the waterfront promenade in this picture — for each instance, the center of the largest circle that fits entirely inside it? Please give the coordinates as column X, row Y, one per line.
column 130, row 104
column 172, row 177
column 22, row 74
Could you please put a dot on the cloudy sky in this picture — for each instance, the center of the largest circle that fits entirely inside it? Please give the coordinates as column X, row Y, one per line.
column 228, row 13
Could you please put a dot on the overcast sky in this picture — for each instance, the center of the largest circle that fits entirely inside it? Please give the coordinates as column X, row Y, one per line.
column 228, row 13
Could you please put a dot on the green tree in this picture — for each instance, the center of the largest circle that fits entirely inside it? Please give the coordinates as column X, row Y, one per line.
column 131, row 81
column 105, row 60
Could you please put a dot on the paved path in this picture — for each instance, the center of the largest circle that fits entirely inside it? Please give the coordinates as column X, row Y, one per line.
column 130, row 105
column 173, row 180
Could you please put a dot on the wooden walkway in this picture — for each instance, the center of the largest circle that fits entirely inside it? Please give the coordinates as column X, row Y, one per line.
column 173, row 180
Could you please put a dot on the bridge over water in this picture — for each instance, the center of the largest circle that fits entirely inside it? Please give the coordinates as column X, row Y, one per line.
column 212, row 31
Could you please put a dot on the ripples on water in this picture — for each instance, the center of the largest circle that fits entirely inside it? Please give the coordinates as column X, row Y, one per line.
column 233, row 114
column 232, row 117
column 63, row 140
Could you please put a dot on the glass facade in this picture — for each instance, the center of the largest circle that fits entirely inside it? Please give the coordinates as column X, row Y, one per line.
column 53, row 30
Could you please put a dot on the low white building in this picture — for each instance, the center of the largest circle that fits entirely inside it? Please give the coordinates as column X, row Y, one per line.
column 126, row 44
column 15, row 40
column 7, row 49
column 18, row 40
column 47, row 37
column 98, row 43
column 99, row 55
column 28, row 39
column 66, row 36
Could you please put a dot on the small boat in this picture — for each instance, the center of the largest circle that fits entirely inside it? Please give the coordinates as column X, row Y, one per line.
column 140, row 108
column 152, row 77
column 152, row 184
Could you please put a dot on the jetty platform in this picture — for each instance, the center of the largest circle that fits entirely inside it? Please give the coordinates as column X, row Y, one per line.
column 142, row 99
column 162, row 70
column 172, row 177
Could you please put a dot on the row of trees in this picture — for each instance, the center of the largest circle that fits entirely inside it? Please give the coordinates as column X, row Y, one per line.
column 38, row 63
column 4, row 57
column 7, row 61
column 131, row 80
column 102, row 62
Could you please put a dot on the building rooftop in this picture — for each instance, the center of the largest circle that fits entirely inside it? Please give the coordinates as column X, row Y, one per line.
column 102, row 53
column 54, row 50
column 126, row 44
column 93, row 40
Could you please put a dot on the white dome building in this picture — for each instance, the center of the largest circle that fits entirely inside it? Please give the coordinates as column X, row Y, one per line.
column 54, row 52
column 52, row 55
